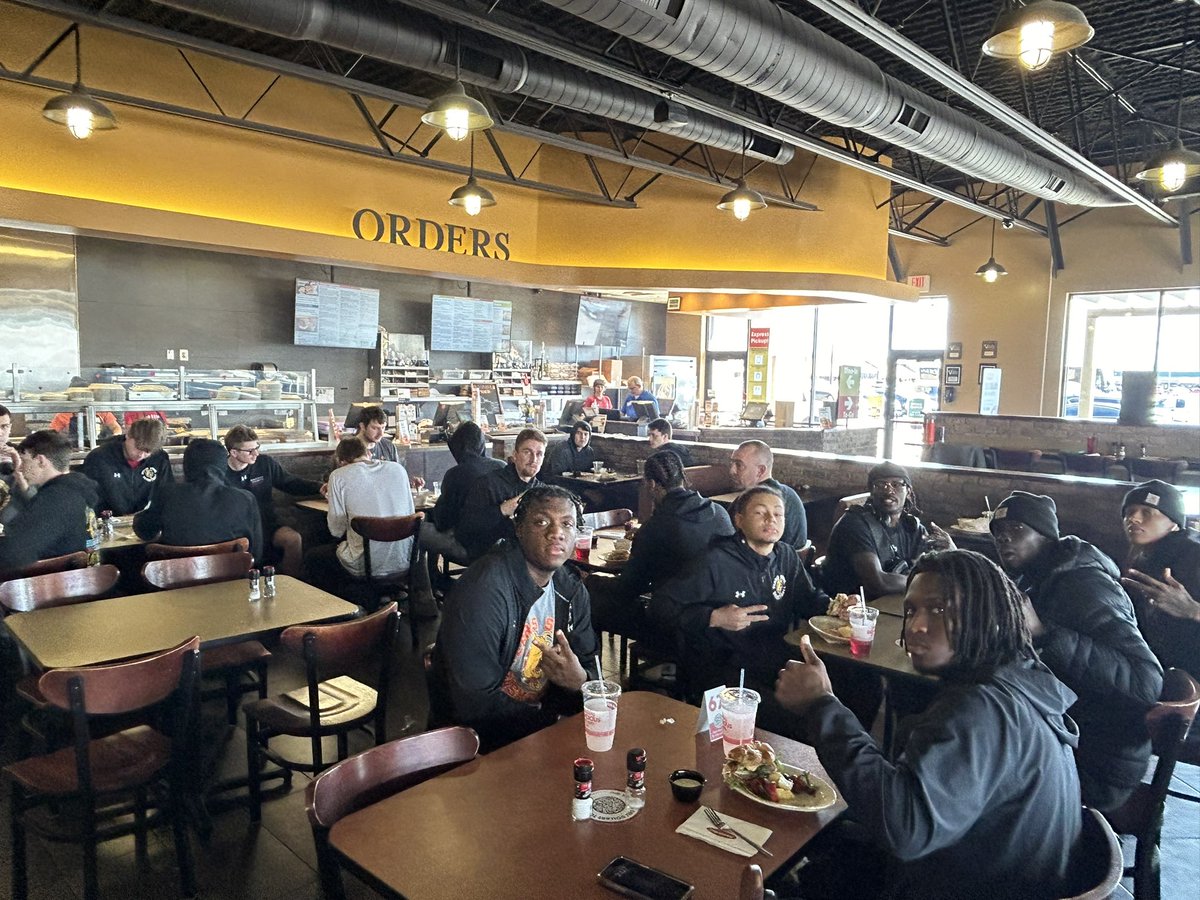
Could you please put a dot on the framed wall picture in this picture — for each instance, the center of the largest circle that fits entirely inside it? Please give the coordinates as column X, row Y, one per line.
column 954, row 351
column 953, row 375
column 983, row 367
column 989, row 350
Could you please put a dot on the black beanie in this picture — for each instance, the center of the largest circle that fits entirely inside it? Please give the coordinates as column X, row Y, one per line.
column 887, row 470
column 1035, row 510
column 1164, row 497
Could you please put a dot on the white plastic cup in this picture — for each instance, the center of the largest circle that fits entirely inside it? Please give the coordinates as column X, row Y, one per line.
column 437, row 489
column 600, row 714
column 862, row 629
column 739, row 709
column 597, row 467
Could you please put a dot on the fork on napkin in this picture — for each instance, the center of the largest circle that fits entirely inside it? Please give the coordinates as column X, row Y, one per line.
column 698, row 826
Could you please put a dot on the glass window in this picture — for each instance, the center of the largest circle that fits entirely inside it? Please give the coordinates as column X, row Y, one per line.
column 727, row 333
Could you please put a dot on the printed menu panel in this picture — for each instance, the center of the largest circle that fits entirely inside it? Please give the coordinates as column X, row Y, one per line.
column 471, row 325
column 335, row 315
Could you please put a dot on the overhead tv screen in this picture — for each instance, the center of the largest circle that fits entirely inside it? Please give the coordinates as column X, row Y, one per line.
column 603, row 322
column 471, row 325
column 335, row 315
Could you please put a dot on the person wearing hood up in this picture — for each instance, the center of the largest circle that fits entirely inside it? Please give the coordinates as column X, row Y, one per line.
column 469, row 449
column 983, row 799
column 203, row 509
column 575, row 454
column 1084, row 629
column 678, row 531
column 56, row 519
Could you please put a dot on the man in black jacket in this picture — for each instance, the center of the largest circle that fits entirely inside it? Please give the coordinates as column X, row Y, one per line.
column 261, row 475
column 203, row 509
column 516, row 642
column 575, row 454
column 492, row 501
column 1084, row 629
column 438, row 530
column 752, row 463
column 658, row 436
column 130, row 470
column 15, row 492
column 738, row 601
column 58, row 517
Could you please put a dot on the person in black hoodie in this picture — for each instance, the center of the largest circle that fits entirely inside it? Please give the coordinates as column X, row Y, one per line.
column 679, row 530
column 469, row 449
column 737, row 602
column 658, row 436
column 56, row 520
column 131, row 469
column 1162, row 574
column 203, row 509
column 982, row 802
column 248, row 469
column 487, row 515
column 516, row 642
column 575, row 454
column 1084, row 629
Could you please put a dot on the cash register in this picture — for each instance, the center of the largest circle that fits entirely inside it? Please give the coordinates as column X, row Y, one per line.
column 753, row 414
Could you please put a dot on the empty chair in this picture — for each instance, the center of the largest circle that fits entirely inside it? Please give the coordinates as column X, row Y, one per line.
column 1098, row 864
column 373, row 775
column 171, row 551
column 610, row 518
column 95, row 773
column 229, row 662
column 76, row 560
column 324, row 707
column 1141, row 815
column 1091, row 464
column 966, row 455
column 60, row 588
column 1145, row 468
column 1014, row 460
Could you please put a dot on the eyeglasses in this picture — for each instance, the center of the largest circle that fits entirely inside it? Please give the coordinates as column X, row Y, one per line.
column 246, row 449
column 894, row 485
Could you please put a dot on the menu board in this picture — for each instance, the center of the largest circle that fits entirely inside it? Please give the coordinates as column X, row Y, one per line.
column 470, row 325
column 335, row 315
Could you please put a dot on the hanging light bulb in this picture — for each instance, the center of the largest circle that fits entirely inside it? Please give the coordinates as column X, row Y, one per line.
column 472, row 196
column 456, row 113
column 79, row 111
column 1033, row 33
column 1172, row 166
column 741, row 201
column 991, row 270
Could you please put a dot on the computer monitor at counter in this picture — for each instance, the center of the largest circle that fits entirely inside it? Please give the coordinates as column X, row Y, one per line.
column 645, row 410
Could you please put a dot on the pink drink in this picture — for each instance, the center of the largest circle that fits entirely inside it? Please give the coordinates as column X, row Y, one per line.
column 739, row 708
column 862, row 629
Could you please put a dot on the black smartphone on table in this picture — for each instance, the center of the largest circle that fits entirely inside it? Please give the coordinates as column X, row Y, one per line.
column 632, row 879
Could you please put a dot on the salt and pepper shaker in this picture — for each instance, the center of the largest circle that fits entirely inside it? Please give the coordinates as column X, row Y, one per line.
column 268, row 582
column 1121, row 452
column 255, row 593
column 635, row 779
column 581, row 805
column 106, row 519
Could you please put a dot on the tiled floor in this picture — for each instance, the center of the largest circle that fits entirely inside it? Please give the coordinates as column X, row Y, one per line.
column 277, row 859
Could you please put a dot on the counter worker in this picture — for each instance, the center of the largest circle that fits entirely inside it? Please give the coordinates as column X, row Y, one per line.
column 130, row 471
column 637, row 393
column 597, row 401
column 106, row 424
column 261, row 475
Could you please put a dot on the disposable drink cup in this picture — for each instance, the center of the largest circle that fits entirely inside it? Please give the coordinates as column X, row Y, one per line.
column 641, row 467
column 583, row 544
column 597, row 467
column 739, row 707
column 862, row 629
column 600, row 714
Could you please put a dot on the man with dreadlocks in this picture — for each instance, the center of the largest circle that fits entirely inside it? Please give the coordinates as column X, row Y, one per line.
column 983, row 800
column 875, row 545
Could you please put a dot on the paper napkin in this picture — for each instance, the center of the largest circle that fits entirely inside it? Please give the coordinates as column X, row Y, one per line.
column 698, row 826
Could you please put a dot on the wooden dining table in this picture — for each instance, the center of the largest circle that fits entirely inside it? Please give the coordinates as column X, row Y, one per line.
column 886, row 656
column 85, row 634
column 500, row 826
column 423, row 501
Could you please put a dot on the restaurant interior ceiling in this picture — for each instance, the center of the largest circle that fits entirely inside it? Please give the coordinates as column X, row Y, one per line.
column 1066, row 139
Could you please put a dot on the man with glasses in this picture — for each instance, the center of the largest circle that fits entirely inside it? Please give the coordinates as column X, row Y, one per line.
column 130, row 470
column 875, row 545
column 491, row 505
column 251, row 470
column 516, row 641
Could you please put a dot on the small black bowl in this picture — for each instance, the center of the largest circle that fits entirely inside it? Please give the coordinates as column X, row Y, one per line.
column 686, row 785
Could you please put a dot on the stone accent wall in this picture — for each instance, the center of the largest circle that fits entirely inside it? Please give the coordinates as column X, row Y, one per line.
column 1045, row 433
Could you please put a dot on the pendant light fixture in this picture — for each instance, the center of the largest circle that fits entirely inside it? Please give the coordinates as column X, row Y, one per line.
column 472, row 196
column 1033, row 33
column 454, row 112
column 741, row 201
column 991, row 270
column 1171, row 167
column 79, row 111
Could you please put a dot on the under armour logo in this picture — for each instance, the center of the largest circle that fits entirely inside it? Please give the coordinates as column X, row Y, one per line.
column 739, row 595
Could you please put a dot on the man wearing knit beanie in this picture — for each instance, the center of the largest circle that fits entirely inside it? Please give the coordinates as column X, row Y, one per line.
column 1162, row 573
column 1084, row 629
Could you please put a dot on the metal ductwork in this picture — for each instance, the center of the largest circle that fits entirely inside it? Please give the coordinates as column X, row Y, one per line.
column 755, row 44
column 385, row 31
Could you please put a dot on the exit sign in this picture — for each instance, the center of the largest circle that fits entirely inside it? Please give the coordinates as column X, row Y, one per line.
column 920, row 282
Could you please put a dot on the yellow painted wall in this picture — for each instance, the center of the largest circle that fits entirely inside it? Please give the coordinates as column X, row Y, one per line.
column 162, row 177
column 1104, row 250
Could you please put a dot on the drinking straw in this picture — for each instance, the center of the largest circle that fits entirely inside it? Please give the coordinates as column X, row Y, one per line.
column 599, row 674
column 741, row 682
column 862, row 596
column 987, row 502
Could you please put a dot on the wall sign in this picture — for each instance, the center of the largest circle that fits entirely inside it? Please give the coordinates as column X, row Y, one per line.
column 989, row 349
column 953, row 375
column 989, row 394
column 393, row 228
column 758, row 365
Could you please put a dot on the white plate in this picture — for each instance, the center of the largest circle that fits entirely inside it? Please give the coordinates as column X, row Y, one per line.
column 825, row 796
column 613, row 557
column 827, row 626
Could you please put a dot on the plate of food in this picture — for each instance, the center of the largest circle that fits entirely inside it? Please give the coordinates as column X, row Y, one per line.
column 616, row 556
column 753, row 771
column 831, row 628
